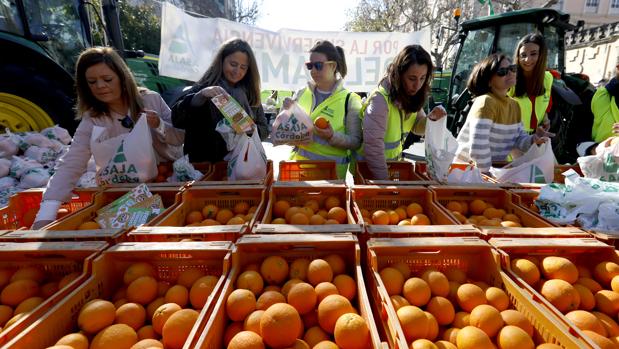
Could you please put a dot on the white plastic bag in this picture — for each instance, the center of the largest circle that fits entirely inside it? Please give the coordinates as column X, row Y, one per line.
column 8, row 146
column 293, row 127
column 134, row 160
column 5, row 167
column 20, row 166
column 39, row 140
column 57, row 133
column 88, row 180
column 604, row 165
column 7, row 182
column 184, row 171
column 441, row 147
column 470, row 174
column 248, row 159
column 34, row 178
column 41, row 155
column 535, row 166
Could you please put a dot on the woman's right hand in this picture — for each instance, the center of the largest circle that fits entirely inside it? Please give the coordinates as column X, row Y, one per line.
column 212, row 91
column 287, row 103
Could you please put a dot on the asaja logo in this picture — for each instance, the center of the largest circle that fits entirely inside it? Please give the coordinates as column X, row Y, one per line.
column 293, row 125
column 181, row 49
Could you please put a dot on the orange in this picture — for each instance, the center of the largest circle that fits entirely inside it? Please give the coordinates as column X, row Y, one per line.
column 432, row 326
column 299, row 344
column 339, row 214
column 306, row 210
column 269, row 298
column 461, row 319
column 330, row 309
column 210, row 211
column 14, row 319
column 321, row 122
column 492, row 212
column 280, row 325
column 142, row 290
column 404, row 222
column 252, row 321
column 584, row 320
column 152, row 307
column 477, row 206
column 337, row 264
column 239, row 304
column 487, row 318
column 49, row 289
column 526, row 270
column 413, row 209
column 459, row 217
column 612, row 328
column 319, row 271
column 313, row 204
column 188, row 276
column 454, row 274
column 398, row 302
column 437, row 281
column 317, row 220
column 6, row 313
column 288, row 285
column 233, row 329
column 201, row 290
column 512, row 337
column 147, row 344
column 250, row 280
column 67, row 279
column 274, row 270
column 131, row 314
column 392, row 279
column 416, row 291
column 380, row 217
column 442, row 309
column 28, row 305
column 420, row 219
column 194, row 217
column 423, row 344
column 401, row 211
column 489, row 223
column 346, row 286
column 224, row 215
column 241, row 207
column 403, row 268
column 29, row 273
column 326, row 345
column 351, row 332
column 470, row 296
column 292, row 211
column 302, row 297
column 602, row 342
column 298, row 269
column 209, row 222
column 325, row 289
column 310, row 319
column 562, row 295
column 278, row 221
column 90, row 225
column 114, row 336
column 299, row 219
column 137, row 270
column 604, row 272
column 273, row 288
column 331, row 202
column 414, row 322
column 162, row 314
column 236, row 221
column 74, row 340
column 280, row 207
column 451, row 334
column 547, row 345
column 177, row 328
column 96, row 315
column 454, row 206
column 472, row 337
column 445, row 345
column 511, row 217
column 246, row 340
column 331, row 221
column 497, row 298
column 146, row 332
column 394, row 218
column 587, row 300
column 583, row 272
column 516, row 318
column 465, row 207
column 554, row 267
column 607, row 302
column 315, row 335
column 18, row 291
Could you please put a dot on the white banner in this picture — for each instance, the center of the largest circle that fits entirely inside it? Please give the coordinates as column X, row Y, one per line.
column 188, row 45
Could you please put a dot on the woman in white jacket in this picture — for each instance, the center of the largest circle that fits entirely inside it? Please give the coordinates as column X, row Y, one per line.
column 108, row 100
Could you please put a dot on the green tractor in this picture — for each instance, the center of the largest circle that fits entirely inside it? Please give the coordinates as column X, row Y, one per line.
column 40, row 41
column 571, row 93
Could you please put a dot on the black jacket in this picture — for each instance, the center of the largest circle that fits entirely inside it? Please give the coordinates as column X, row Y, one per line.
column 202, row 142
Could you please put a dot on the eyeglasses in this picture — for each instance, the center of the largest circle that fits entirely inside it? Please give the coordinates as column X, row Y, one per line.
column 503, row 71
column 127, row 122
column 317, row 65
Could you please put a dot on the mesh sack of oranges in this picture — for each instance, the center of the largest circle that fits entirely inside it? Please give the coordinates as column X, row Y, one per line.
column 317, row 211
column 292, row 126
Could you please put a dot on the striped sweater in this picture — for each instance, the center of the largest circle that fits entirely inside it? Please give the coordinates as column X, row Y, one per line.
column 492, row 130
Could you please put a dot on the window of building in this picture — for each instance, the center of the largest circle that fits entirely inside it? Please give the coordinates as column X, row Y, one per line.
column 614, row 6
column 591, row 6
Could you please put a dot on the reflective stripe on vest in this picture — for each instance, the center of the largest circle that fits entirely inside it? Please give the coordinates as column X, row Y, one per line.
column 541, row 104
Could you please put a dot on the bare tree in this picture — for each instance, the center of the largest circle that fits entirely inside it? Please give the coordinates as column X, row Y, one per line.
column 246, row 11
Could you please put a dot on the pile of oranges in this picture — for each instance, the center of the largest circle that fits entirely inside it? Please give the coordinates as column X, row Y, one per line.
column 402, row 215
column 482, row 213
column 304, row 304
column 589, row 298
column 450, row 311
column 25, row 289
column 144, row 313
column 210, row 214
column 313, row 212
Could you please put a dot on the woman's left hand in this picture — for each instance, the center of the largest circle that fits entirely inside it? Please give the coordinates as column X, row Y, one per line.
column 325, row 133
column 152, row 118
column 437, row 113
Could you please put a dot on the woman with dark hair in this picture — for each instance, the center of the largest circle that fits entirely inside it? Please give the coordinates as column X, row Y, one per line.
column 325, row 96
column 234, row 72
column 533, row 83
column 394, row 109
column 109, row 103
column 493, row 127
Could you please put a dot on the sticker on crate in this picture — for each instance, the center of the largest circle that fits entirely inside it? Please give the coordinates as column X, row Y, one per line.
column 313, row 298
column 313, row 212
column 145, row 311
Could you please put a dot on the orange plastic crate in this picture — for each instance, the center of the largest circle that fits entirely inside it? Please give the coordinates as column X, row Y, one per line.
column 219, row 176
column 169, row 197
column 56, row 259
column 471, row 255
column 154, row 234
column 587, row 252
column 111, row 236
column 23, row 206
column 254, row 248
column 169, row 259
column 400, row 173
column 500, row 198
column 548, row 232
column 297, row 194
column 307, row 170
column 421, row 167
column 195, row 198
column 559, row 169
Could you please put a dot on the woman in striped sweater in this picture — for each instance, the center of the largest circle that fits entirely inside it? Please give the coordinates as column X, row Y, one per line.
column 493, row 128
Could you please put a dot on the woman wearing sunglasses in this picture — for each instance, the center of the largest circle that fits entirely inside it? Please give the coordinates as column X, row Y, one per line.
column 493, row 127
column 234, row 72
column 109, row 103
column 325, row 96
column 395, row 109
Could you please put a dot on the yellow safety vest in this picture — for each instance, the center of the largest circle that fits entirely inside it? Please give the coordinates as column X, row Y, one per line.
column 541, row 103
column 605, row 114
column 398, row 128
column 334, row 110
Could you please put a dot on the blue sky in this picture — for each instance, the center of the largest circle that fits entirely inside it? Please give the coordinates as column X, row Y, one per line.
column 318, row 15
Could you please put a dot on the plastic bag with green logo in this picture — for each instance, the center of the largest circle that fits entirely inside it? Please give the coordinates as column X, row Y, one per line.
column 535, row 166
column 293, row 127
column 604, row 165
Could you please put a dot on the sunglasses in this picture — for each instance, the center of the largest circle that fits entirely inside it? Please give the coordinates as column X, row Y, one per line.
column 127, row 122
column 503, row 71
column 317, row 65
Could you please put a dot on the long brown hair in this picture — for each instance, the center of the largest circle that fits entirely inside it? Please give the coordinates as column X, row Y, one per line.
column 535, row 85
column 479, row 80
column 333, row 53
column 250, row 82
column 411, row 54
column 86, row 101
